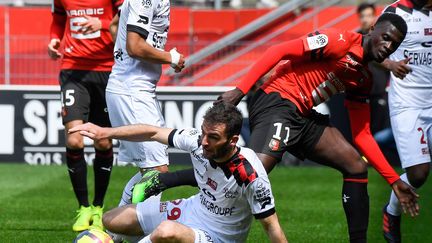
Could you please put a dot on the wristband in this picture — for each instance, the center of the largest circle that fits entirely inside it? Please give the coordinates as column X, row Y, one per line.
column 175, row 57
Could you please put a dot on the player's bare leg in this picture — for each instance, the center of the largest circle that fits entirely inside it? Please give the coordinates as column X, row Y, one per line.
column 165, row 233
column 333, row 150
column 123, row 220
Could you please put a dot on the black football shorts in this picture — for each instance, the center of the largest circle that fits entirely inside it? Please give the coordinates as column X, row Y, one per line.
column 277, row 126
column 83, row 96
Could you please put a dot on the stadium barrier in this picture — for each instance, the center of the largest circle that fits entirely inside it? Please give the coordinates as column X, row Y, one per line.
column 32, row 130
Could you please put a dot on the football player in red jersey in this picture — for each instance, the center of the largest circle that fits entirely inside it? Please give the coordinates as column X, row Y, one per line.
column 316, row 67
column 83, row 27
column 313, row 68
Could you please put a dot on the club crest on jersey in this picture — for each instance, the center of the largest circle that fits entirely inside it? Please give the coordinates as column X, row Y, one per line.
column 213, row 184
column 317, row 41
column 274, row 144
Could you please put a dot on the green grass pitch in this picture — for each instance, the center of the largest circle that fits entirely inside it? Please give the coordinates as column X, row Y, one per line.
column 37, row 204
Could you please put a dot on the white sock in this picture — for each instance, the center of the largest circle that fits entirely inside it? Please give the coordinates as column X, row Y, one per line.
column 127, row 193
column 394, row 208
column 145, row 239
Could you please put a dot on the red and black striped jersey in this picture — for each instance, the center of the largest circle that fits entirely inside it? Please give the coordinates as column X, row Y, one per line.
column 332, row 63
column 84, row 52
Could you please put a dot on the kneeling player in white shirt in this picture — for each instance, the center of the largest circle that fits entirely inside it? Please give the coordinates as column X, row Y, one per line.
column 410, row 103
column 233, row 185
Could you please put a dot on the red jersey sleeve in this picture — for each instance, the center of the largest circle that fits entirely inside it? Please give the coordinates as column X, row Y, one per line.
column 58, row 20
column 359, row 114
column 289, row 50
column 327, row 44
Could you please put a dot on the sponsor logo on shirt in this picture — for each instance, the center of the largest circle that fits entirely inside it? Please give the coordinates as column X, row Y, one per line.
column 262, row 195
column 214, row 208
column 230, row 193
column 118, row 54
column 420, row 58
column 163, row 207
column 212, row 184
column 88, row 11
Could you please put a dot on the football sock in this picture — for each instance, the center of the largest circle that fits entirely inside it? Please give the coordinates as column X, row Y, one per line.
column 102, row 166
column 127, row 191
column 355, row 200
column 394, row 207
column 178, row 178
column 77, row 168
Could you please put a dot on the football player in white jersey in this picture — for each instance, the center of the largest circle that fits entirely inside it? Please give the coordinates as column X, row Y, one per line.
column 410, row 102
column 139, row 54
column 233, row 185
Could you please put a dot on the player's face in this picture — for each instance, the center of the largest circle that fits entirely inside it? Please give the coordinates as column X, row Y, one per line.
column 366, row 18
column 216, row 145
column 385, row 39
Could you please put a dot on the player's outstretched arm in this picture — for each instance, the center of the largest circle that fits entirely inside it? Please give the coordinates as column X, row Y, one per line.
column 137, row 47
column 273, row 229
column 290, row 50
column 359, row 114
column 134, row 133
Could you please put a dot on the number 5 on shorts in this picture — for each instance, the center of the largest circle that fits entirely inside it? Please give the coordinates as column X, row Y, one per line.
column 68, row 99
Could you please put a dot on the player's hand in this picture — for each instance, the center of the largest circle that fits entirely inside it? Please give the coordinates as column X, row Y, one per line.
column 90, row 130
column 400, row 68
column 181, row 61
column 232, row 96
column 407, row 197
column 92, row 24
column 53, row 49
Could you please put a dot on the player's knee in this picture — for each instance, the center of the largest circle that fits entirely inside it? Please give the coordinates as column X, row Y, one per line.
column 356, row 166
column 103, row 144
column 74, row 142
column 417, row 175
column 107, row 220
column 165, row 232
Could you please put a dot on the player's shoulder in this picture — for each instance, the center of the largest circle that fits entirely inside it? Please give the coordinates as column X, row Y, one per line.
column 335, row 42
column 401, row 7
column 251, row 158
column 186, row 138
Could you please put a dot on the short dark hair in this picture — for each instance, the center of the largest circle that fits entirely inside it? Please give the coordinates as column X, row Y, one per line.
column 364, row 6
column 227, row 114
column 394, row 19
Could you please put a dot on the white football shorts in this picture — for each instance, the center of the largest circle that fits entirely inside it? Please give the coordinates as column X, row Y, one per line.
column 134, row 109
column 413, row 135
column 152, row 212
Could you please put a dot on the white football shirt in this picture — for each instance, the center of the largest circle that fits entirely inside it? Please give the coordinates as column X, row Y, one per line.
column 415, row 90
column 151, row 20
column 231, row 192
